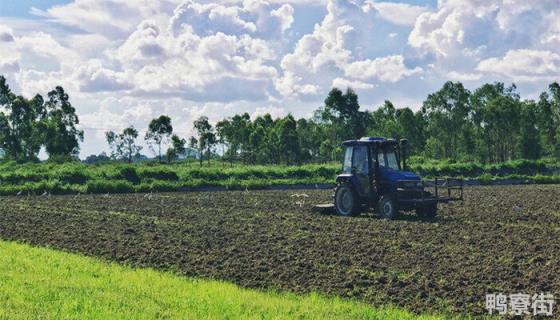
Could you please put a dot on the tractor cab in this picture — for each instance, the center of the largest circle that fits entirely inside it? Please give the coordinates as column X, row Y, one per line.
column 374, row 175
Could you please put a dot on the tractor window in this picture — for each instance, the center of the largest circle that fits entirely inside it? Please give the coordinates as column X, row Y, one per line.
column 388, row 158
column 381, row 158
column 360, row 159
column 391, row 159
column 347, row 165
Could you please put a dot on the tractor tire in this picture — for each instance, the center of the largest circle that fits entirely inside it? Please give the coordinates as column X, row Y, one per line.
column 427, row 213
column 346, row 202
column 386, row 208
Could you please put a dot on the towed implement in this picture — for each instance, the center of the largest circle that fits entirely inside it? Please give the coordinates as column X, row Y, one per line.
column 374, row 175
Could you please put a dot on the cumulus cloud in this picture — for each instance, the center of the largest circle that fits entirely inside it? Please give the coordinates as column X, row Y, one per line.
column 274, row 111
column 92, row 77
column 258, row 18
column 142, row 45
column 9, row 66
column 218, row 66
column 458, row 76
column 524, row 65
column 6, row 34
column 489, row 27
column 42, row 44
column 285, row 15
column 506, row 40
column 354, row 84
column 32, row 82
column 332, row 51
column 402, row 14
column 386, row 69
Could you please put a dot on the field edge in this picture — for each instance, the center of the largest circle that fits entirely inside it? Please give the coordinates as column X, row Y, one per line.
column 48, row 283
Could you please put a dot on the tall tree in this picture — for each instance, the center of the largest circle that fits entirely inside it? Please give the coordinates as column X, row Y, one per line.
column 123, row 145
column 62, row 137
column 206, row 136
column 288, row 140
column 341, row 111
column 158, row 134
column 193, row 144
column 529, row 142
column 496, row 114
column 548, row 118
column 447, row 112
column 225, row 136
column 177, row 148
column 21, row 124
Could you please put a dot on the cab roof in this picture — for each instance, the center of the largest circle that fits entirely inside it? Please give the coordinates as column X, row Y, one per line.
column 370, row 140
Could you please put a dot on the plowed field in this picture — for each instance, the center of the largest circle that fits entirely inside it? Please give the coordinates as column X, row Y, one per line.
column 501, row 239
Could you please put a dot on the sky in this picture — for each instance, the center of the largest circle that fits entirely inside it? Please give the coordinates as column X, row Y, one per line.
column 126, row 62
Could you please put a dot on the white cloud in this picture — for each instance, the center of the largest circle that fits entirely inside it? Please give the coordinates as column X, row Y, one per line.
column 290, row 85
column 274, row 111
column 32, row 82
column 218, row 66
column 524, row 65
column 285, row 14
column 401, row 14
column 386, row 69
column 9, row 66
column 489, row 27
column 458, row 76
column 92, row 77
column 143, row 45
column 342, row 83
column 337, row 49
column 111, row 18
column 6, row 34
column 258, row 18
column 44, row 45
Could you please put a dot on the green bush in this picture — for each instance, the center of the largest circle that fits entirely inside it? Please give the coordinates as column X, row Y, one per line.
column 128, row 173
column 114, row 186
column 71, row 175
column 157, row 173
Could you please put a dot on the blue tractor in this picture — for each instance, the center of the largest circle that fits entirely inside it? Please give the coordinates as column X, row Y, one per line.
column 374, row 175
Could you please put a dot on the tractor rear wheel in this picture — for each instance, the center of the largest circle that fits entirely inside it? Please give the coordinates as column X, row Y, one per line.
column 346, row 200
column 386, row 208
column 428, row 212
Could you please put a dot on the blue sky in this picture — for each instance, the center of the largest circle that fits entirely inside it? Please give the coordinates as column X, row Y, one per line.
column 126, row 62
column 22, row 8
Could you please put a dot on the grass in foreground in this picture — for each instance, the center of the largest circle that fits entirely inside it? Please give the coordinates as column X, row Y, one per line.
column 44, row 283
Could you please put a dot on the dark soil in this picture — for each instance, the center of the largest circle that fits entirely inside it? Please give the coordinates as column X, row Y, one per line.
column 501, row 239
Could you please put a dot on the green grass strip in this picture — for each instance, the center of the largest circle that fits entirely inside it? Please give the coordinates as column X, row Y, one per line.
column 40, row 283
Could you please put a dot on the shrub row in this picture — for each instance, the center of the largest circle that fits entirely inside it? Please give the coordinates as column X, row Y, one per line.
column 36, row 178
column 473, row 169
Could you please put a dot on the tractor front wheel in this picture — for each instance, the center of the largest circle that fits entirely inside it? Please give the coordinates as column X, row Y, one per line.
column 346, row 200
column 386, row 208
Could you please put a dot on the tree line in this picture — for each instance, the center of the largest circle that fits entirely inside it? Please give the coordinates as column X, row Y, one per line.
column 489, row 124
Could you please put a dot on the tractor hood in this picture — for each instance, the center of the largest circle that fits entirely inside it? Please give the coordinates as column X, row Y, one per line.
column 393, row 176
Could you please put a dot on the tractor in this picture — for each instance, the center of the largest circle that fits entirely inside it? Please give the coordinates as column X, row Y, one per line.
column 374, row 175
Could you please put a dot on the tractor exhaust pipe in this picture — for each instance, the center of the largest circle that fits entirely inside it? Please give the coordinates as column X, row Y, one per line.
column 404, row 150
